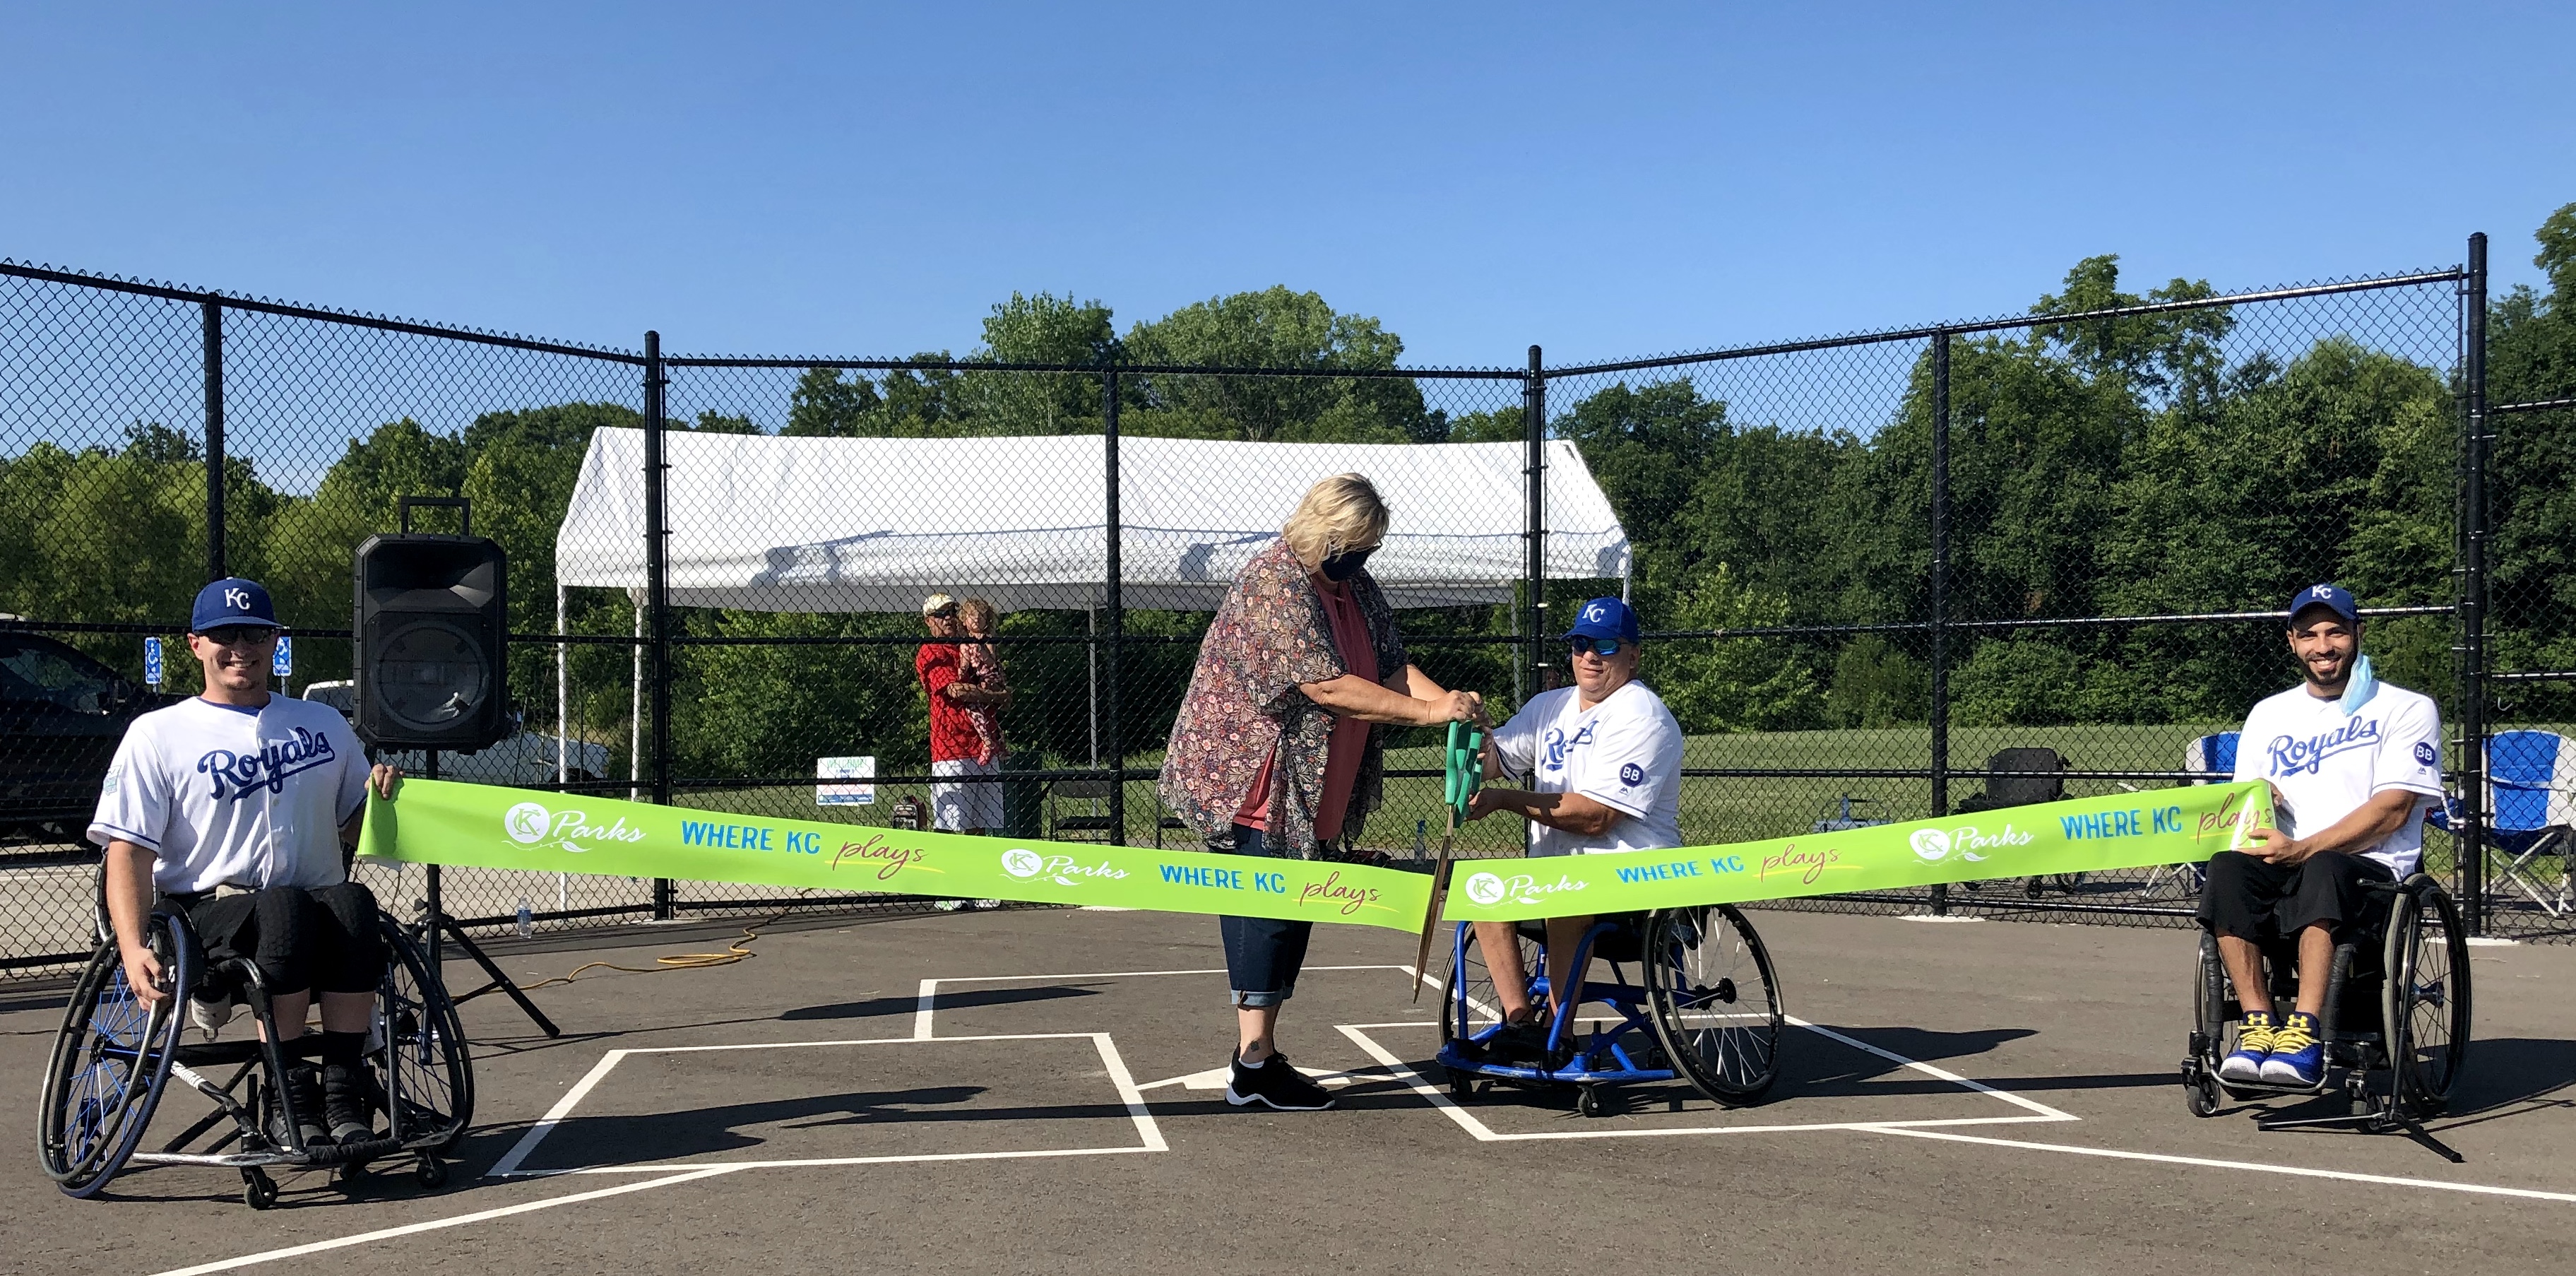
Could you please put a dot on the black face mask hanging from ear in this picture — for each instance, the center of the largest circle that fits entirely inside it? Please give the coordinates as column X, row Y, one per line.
column 1343, row 566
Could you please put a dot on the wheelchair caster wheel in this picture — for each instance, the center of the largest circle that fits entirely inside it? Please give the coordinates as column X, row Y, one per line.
column 430, row 1172
column 2202, row 1095
column 1461, row 1088
column 353, row 1174
column 259, row 1191
column 1590, row 1102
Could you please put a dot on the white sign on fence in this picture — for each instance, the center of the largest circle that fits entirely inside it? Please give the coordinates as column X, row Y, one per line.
column 845, row 770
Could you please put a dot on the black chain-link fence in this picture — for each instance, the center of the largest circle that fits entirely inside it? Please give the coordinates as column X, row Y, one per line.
column 1884, row 577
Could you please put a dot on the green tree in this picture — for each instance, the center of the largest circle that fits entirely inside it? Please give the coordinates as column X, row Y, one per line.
column 1274, row 328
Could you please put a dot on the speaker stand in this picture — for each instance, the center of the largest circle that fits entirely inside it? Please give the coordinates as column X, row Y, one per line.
column 437, row 927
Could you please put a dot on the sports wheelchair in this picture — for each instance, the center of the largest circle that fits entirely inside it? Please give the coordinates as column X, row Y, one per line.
column 2395, row 1023
column 1704, row 1007
column 114, row 1056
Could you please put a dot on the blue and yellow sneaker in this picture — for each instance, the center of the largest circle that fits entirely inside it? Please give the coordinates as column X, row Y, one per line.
column 2297, row 1057
column 2253, row 1046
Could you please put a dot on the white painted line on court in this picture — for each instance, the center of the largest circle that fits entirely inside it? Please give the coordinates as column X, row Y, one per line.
column 928, row 999
column 1146, row 1130
column 1483, row 1133
column 1149, row 1135
column 412, row 1229
column 509, row 1162
column 2295, row 1171
column 1928, row 1070
column 811, row 1162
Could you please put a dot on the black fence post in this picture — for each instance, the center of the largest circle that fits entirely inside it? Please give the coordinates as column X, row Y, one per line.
column 1117, row 607
column 1939, row 602
column 1534, row 436
column 657, row 599
column 214, row 370
column 2473, row 603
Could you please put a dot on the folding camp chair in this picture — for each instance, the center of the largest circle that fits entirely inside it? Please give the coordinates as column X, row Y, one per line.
column 2039, row 783
column 2534, row 777
column 2212, row 760
column 1094, row 825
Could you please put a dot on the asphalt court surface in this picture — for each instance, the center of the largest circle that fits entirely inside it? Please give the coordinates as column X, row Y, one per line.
column 1040, row 1090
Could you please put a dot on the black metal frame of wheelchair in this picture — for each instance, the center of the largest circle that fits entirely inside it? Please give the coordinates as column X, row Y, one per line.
column 1730, row 1054
column 2395, row 1022
column 113, row 1058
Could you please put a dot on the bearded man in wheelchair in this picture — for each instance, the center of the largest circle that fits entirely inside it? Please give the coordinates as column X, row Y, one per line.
column 2353, row 764
column 234, row 808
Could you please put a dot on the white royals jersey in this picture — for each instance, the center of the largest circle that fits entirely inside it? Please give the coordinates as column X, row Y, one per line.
column 1624, row 753
column 2326, row 764
column 219, row 794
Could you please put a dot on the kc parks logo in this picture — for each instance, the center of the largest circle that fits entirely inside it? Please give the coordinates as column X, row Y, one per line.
column 531, row 824
column 1489, row 889
column 1595, row 613
column 1935, row 845
column 1063, row 870
column 237, row 599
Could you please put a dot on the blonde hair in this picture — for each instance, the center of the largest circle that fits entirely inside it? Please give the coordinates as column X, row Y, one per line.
column 1341, row 513
column 977, row 612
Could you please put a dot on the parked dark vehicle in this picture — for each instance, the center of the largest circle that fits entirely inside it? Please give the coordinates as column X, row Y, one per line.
column 61, row 716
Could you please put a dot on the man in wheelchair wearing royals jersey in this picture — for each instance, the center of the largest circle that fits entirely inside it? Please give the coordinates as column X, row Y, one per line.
column 235, row 806
column 2353, row 764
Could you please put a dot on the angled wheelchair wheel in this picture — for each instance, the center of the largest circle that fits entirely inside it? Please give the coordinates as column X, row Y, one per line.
column 2425, row 1001
column 110, row 1062
column 1715, row 1001
column 424, row 1074
column 1469, row 1006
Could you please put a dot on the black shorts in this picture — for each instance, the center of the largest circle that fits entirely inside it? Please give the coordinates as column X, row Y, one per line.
column 322, row 939
column 2255, row 899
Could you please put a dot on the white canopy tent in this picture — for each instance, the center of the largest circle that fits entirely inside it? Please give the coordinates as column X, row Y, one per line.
column 766, row 523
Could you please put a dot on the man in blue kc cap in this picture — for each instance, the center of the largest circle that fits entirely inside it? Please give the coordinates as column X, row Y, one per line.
column 234, row 805
column 2353, row 764
column 1604, row 765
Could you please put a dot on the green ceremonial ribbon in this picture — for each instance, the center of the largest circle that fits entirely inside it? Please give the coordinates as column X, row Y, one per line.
column 483, row 826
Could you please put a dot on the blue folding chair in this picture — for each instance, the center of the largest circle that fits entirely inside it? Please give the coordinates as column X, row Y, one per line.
column 2533, row 774
column 2212, row 760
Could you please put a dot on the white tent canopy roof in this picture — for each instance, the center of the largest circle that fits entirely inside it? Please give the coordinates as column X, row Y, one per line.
column 766, row 523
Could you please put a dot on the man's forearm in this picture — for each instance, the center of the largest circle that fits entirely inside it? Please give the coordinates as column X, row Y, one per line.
column 2369, row 825
column 129, row 891
column 1565, row 812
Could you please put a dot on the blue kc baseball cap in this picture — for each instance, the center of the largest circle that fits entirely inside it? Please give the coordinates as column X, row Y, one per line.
column 2334, row 598
column 1605, row 618
column 232, row 601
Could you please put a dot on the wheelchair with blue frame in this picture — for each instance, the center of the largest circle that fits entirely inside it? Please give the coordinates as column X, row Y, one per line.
column 115, row 1055
column 1691, row 996
column 2395, row 1023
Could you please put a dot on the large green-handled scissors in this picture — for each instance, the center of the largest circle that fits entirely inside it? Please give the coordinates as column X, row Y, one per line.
column 1464, row 773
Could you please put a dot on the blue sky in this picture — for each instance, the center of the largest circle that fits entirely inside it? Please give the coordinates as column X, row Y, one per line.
column 1605, row 180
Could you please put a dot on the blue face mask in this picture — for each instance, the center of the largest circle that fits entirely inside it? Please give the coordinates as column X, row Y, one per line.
column 2359, row 688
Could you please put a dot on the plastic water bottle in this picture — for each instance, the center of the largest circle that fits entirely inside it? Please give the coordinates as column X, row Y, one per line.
column 527, row 921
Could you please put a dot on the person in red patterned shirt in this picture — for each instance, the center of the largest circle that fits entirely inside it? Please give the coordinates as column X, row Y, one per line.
column 965, row 796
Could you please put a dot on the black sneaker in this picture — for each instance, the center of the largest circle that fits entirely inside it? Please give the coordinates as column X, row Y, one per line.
column 1524, row 1043
column 1277, row 1084
column 345, row 1107
column 306, row 1093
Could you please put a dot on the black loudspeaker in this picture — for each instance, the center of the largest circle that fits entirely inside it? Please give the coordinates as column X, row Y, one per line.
column 431, row 628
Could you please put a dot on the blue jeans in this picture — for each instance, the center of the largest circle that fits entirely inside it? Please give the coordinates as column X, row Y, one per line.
column 1262, row 954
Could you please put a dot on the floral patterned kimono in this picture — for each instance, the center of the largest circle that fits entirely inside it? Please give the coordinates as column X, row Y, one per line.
column 1269, row 636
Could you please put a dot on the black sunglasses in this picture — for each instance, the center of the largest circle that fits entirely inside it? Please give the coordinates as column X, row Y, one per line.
column 237, row 635
column 1597, row 646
